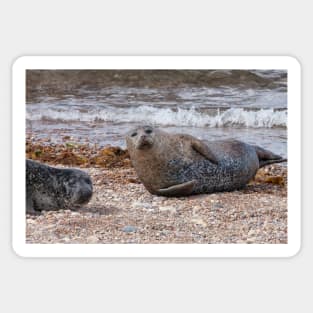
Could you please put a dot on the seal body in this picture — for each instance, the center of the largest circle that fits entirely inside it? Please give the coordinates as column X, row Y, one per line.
column 49, row 188
column 180, row 165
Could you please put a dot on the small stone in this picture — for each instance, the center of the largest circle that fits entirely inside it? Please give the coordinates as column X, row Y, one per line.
column 31, row 221
column 252, row 233
column 144, row 205
column 198, row 221
column 75, row 214
column 129, row 229
column 92, row 239
column 195, row 209
column 167, row 208
column 158, row 198
column 217, row 205
column 240, row 241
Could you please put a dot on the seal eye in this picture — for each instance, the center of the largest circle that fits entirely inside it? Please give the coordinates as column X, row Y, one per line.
column 148, row 131
column 134, row 134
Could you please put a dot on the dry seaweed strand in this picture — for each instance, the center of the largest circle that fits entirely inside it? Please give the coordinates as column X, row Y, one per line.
column 82, row 155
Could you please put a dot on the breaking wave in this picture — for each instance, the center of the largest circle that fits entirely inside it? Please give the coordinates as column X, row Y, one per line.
column 232, row 117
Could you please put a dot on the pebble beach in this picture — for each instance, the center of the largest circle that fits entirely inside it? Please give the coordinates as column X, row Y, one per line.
column 123, row 211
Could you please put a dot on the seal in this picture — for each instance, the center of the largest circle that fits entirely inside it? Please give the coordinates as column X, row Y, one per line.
column 49, row 188
column 182, row 165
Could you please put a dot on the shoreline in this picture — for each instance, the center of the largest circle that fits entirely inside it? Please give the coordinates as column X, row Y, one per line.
column 122, row 211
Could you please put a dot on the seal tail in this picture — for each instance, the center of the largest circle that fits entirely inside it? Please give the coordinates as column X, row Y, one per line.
column 267, row 157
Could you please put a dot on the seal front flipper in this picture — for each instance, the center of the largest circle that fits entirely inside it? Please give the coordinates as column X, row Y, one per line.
column 184, row 189
column 267, row 157
column 204, row 150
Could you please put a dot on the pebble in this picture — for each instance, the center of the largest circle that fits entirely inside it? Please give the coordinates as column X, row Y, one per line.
column 158, row 198
column 139, row 205
column 198, row 221
column 252, row 233
column 241, row 241
column 167, row 209
column 217, row 205
column 129, row 229
column 30, row 221
column 195, row 209
column 75, row 214
column 92, row 239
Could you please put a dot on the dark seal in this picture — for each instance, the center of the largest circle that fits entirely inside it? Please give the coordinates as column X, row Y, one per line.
column 181, row 165
column 49, row 188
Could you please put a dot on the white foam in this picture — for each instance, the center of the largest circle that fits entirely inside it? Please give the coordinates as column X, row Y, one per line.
column 165, row 116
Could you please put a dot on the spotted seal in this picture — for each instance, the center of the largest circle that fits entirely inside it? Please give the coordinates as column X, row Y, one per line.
column 181, row 165
column 49, row 188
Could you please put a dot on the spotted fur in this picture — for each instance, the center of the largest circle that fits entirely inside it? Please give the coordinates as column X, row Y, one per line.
column 164, row 160
column 49, row 188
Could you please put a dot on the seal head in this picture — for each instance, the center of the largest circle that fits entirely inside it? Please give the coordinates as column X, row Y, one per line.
column 49, row 188
column 142, row 138
column 76, row 185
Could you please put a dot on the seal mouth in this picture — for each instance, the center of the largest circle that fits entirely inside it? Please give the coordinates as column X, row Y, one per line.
column 144, row 143
column 84, row 196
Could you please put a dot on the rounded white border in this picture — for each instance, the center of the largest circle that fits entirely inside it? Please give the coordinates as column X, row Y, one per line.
column 156, row 250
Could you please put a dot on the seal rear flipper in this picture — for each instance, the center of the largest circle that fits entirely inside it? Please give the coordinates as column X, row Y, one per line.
column 267, row 157
column 204, row 150
column 184, row 189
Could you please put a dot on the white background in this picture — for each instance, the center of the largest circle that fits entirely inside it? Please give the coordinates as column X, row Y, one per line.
column 164, row 28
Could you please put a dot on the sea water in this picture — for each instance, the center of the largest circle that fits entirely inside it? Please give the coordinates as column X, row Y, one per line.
column 255, row 113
